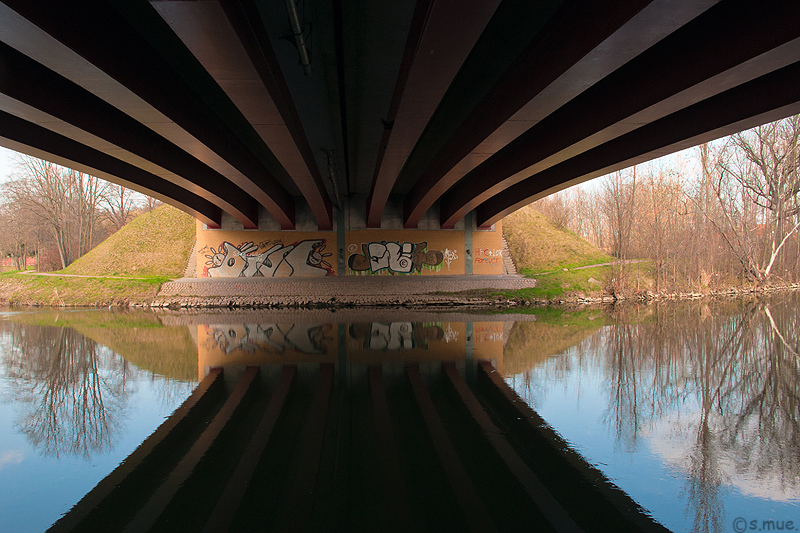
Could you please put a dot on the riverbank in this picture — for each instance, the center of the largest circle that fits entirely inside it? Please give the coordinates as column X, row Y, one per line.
column 525, row 298
column 31, row 289
column 465, row 292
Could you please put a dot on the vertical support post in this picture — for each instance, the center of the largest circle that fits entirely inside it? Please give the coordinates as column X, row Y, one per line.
column 469, row 223
column 341, row 264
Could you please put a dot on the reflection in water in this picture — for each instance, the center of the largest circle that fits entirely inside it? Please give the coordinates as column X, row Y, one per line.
column 395, row 335
column 713, row 391
column 255, row 339
column 279, row 337
column 71, row 409
column 73, row 390
column 709, row 392
column 313, row 338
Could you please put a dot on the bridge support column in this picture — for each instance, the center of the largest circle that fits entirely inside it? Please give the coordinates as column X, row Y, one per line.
column 340, row 235
column 469, row 222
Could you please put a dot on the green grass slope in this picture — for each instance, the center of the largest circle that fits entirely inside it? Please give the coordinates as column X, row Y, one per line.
column 156, row 243
column 538, row 245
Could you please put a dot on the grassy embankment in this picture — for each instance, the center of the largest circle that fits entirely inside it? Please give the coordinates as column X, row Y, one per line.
column 558, row 258
column 128, row 267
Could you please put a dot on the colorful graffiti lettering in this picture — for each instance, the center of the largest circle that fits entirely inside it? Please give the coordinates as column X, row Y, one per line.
column 250, row 338
column 395, row 335
column 394, row 257
column 487, row 255
column 302, row 258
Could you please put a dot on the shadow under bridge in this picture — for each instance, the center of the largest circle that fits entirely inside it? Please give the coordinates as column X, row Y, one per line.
column 358, row 447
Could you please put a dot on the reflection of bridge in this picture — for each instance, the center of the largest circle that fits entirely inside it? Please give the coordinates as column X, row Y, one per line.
column 356, row 115
column 383, row 447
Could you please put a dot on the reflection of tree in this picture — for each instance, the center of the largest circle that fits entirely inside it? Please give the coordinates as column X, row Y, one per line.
column 704, row 480
column 75, row 389
column 731, row 376
column 766, row 433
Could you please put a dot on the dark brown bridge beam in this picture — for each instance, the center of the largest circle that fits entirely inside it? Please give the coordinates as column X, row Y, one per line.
column 767, row 98
column 442, row 35
column 25, row 137
column 41, row 96
column 230, row 42
column 709, row 55
column 570, row 34
column 141, row 78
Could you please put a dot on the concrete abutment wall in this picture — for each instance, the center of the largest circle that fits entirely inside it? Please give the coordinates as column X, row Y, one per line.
column 357, row 251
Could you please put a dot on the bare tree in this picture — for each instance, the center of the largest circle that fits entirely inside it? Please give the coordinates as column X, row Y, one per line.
column 119, row 205
column 65, row 202
column 618, row 201
column 150, row 203
column 558, row 208
column 87, row 193
column 17, row 238
column 43, row 191
column 755, row 179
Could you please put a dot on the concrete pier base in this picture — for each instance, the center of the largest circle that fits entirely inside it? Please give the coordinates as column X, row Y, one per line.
column 335, row 291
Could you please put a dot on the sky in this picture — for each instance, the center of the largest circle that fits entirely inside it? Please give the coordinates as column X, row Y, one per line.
column 6, row 163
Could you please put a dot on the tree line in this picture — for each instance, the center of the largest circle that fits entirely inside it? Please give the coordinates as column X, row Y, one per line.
column 730, row 215
column 57, row 214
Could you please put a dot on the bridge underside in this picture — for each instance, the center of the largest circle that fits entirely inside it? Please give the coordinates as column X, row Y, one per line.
column 349, row 116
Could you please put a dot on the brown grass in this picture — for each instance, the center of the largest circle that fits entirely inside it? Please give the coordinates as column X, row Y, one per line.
column 538, row 245
column 156, row 243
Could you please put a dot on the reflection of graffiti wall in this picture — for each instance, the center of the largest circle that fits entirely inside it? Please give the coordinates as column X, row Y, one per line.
column 487, row 342
column 302, row 258
column 395, row 335
column 362, row 342
column 264, row 343
column 276, row 338
column 396, row 257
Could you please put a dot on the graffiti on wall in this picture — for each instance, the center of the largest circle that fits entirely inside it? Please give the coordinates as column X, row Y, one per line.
column 449, row 256
column 488, row 255
column 302, row 258
column 394, row 257
column 395, row 335
column 250, row 338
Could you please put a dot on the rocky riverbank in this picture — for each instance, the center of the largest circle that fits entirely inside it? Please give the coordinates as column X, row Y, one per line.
column 340, row 292
column 440, row 292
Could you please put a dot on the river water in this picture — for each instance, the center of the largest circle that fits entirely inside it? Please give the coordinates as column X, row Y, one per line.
column 691, row 408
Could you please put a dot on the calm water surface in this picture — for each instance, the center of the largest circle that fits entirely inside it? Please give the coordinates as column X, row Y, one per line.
column 72, row 408
column 691, row 408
